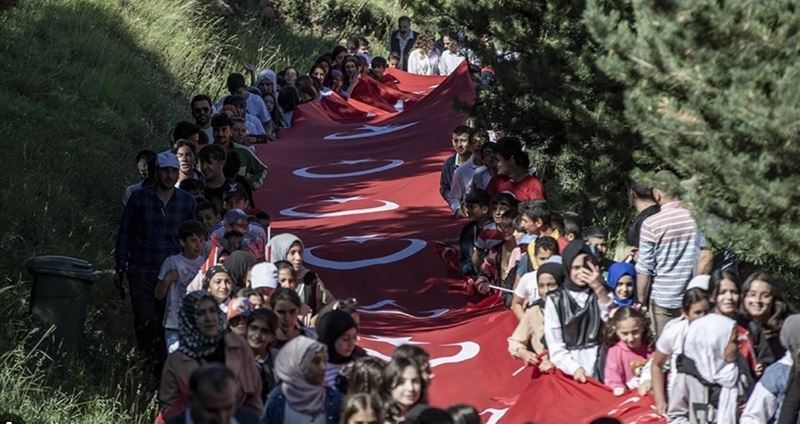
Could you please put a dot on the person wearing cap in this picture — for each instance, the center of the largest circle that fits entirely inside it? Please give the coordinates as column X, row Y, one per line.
column 253, row 125
column 239, row 310
column 264, row 279
column 254, row 238
column 250, row 166
column 148, row 234
column 254, row 104
column 235, row 196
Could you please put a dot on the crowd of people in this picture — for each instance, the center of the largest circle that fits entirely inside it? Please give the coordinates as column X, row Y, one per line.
column 238, row 329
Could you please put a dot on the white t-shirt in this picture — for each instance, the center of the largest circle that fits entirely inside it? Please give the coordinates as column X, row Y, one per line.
column 528, row 288
column 449, row 61
column 421, row 64
column 670, row 342
column 186, row 269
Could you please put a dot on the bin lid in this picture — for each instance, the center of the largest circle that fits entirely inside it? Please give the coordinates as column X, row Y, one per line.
column 63, row 265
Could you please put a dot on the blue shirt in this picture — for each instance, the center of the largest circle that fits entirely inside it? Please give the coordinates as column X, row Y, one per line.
column 148, row 233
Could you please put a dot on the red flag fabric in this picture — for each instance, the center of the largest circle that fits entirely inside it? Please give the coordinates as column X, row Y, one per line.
column 358, row 181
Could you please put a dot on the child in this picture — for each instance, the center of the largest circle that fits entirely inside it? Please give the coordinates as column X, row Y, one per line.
column 527, row 291
column 597, row 237
column 176, row 273
column 362, row 408
column 476, row 205
column 207, row 214
column 239, row 310
column 709, row 352
column 630, row 344
column 379, row 66
column 496, row 268
column 219, row 284
column 670, row 344
column 195, row 187
column 420, row 357
column 262, row 326
column 264, row 279
column 526, row 341
column 501, row 203
column 255, row 298
column 622, row 282
column 394, row 59
column 765, row 401
column 287, row 276
column 574, row 314
column 460, row 139
column 573, row 225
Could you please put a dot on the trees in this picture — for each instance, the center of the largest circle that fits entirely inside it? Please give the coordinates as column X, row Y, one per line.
column 713, row 88
column 550, row 90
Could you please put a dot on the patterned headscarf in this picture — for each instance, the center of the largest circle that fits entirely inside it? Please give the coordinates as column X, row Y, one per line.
column 214, row 270
column 193, row 342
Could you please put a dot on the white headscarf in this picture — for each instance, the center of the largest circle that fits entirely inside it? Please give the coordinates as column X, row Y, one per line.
column 291, row 366
column 269, row 74
column 705, row 344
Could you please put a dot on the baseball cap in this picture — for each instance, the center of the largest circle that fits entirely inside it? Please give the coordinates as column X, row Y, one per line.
column 234, row 216
column 167, row 160
column 240, row 306
column 264, row 275
column 235, row 189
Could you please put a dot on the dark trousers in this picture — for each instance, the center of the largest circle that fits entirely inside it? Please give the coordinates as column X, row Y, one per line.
column 148, row 314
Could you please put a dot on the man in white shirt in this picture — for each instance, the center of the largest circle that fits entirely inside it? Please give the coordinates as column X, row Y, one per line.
column 451, row 56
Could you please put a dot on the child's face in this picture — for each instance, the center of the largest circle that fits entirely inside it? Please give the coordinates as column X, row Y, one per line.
column 238, row 325
column 236, row 202
column 575, row 268
column 506, row 226
column 759, row 299
column 546, row 284
column 257, row 300
column 630, row 330
column 220, row 286
column 498, row 209
column 476, row 212
column 212, row 169
column 378, row 72
column 393, row 63
column 286, row 278
column 727, row 300
column 542, row 255
column 531, row 225
column 239, row 131
column 697, row 310
column 193, row 245
column 258, row 335
column 624, row 289
column 600, row 244
column 460, row 143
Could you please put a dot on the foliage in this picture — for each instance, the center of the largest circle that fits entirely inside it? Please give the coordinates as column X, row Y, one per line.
column 712, row 88
column 550, row 91
column 87, row 83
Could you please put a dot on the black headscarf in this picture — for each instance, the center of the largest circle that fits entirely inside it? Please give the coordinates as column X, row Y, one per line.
column 330, row 327
column 573, row 249
column 238, row 264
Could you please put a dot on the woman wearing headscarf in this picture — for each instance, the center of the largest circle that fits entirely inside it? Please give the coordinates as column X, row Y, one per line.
column 706, row 372
column 527, row 340
column 574, row 314
column 203, row 340
column 288, row 247
column 239, row 264
column 302, row 397
column 767, row 398
column 217, row 282
column 338, row 331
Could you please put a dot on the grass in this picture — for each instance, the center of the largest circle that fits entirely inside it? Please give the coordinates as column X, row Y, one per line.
column 86, row 84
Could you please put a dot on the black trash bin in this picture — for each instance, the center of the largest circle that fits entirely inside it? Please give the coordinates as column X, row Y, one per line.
column 59, row 296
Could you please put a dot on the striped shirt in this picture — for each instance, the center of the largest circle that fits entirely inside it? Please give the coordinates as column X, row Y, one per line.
column 668, row 252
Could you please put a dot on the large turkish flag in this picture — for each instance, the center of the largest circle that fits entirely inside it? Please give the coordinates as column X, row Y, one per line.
column 358, row 181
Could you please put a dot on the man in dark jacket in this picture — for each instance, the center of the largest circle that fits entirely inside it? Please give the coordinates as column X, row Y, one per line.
column 402, row 41
column 212, row 399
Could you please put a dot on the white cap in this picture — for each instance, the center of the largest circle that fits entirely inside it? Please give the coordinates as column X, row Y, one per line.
column 265, row 275
column 700, row 282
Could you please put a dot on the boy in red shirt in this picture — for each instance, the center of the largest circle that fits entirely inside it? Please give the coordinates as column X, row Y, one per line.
column 379, row 66
column 512, row 172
